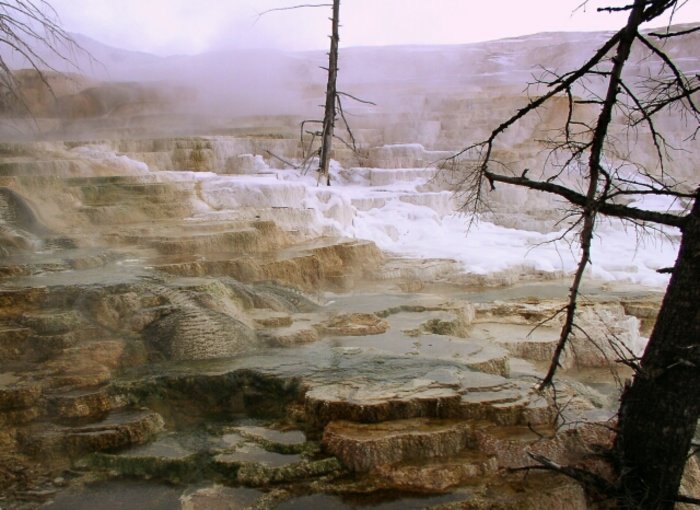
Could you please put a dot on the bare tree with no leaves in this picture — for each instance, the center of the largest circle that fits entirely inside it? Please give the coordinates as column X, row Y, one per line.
column 660, row 408
column 333, row 104
column 29, row 30
column 330, row 113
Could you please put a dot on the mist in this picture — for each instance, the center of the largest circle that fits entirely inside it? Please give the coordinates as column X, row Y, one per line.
column 436, row 96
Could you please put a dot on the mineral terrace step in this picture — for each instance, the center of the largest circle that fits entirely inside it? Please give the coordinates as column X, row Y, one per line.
column 18, row 392
column 438, row 474
column 301, row 332
column 365, row 447
column 515, row 407
column 475, row 396
column 521, row 340
column 33, row 168
column 266, row 318
column 121, row 428
column 374, row 403
column 81, row 404
column 272, row 439
column 243, row 241
column 154, row 192
column 217, row 240
column 388, row 176
column 115, row 180
column 251, row 453
column 169, row 458
column 307, row 267
column 58, row 259
column 14, row 341
column 231, row 458
column 511, row 445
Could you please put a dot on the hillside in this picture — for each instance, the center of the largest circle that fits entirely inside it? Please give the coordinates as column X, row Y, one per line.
column 432, row 92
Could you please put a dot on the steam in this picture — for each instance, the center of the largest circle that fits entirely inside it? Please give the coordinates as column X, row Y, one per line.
column 439, row 96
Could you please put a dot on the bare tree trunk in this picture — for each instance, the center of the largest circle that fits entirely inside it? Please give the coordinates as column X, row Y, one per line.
column 660, row 409
column 331, row 95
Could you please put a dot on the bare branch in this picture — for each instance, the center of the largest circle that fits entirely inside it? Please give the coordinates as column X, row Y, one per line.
column 301, row 135
column 586, row 237
column 667, row 35
column 581, row 475
column 688, row 499
column 353, row 147
column 680, row 80
column 615, row 9
column 364, row 101
column 25, row 27
column 291, row 8
column 278, row 158
column 606, row 208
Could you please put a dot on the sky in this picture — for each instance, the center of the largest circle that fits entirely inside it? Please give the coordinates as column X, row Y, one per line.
column 169, row 27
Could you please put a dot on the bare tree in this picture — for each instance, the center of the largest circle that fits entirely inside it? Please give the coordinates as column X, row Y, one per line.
column 30, row 32
column 333, row 105
column 330, row 112
column 659, row 409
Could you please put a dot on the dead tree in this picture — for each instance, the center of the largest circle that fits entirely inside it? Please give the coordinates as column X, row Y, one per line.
column 330, row 112
column 333, row 106
column 660, row 408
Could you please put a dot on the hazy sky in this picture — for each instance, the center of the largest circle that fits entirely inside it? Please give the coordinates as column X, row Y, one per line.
column 191, row 26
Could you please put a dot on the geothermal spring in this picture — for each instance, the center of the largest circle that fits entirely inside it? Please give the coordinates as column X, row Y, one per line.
column 188, row 320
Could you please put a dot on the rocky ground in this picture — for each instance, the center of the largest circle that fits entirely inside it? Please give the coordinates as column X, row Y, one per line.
column 155, row 356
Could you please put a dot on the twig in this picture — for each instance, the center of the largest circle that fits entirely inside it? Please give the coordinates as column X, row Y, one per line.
column 290, row 8
column 355, row 98
column 272, row 154
column 580, row 475
column 675, row 34
column 347, row 126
